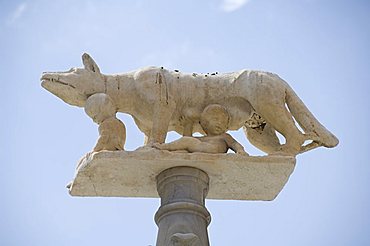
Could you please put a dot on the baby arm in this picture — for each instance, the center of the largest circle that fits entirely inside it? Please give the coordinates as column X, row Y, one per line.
column 234, row 145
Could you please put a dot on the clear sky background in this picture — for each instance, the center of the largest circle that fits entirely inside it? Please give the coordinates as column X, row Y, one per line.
column 320, row 47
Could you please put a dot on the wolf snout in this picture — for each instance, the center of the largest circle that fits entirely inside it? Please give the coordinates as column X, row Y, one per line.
column 49, row 76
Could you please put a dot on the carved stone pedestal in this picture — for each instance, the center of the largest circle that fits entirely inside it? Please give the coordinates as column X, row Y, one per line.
column 182, row 181
column 182, row 218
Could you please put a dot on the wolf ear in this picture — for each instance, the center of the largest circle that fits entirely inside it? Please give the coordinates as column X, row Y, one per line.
column 89, row 63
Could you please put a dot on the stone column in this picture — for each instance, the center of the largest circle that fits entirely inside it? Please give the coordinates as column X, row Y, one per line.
column 182, row 218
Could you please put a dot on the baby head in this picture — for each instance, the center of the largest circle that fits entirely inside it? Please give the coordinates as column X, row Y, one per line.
column 214, row 119
column 99, row 107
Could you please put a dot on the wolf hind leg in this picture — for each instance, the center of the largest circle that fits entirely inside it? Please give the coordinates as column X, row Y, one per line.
column 309, row 146
column 281, row 120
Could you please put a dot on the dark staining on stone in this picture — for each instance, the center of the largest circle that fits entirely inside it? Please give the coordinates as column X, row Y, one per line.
column 260, row 127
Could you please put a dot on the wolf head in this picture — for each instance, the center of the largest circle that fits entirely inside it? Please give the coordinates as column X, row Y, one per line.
column 77, row 84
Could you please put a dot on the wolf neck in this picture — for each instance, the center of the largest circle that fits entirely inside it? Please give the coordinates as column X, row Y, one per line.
column 120, row 88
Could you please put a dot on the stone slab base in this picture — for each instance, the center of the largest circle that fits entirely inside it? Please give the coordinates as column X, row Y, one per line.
column 133, row 174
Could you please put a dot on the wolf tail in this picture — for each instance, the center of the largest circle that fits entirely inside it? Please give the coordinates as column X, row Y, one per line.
column 311, row 126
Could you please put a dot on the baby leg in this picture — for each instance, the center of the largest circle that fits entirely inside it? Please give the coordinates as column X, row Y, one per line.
column 184, row 143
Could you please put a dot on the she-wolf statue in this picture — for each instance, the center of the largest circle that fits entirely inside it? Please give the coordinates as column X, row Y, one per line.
column 160, row 100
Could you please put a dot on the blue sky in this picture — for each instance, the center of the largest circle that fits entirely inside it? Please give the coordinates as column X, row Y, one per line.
column 321, row 48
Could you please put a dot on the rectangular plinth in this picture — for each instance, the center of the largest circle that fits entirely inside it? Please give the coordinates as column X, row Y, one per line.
column 133, row 174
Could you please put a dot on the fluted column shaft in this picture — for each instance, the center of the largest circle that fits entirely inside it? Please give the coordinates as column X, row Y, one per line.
column 182, row 218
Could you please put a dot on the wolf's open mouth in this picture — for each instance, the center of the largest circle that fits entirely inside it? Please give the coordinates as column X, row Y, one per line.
column 58, row 81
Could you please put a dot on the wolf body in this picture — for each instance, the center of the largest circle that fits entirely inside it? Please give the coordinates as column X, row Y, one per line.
column 160, row 100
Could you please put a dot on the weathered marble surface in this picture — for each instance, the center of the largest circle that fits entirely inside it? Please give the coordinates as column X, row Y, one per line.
column 161, row 100
column 133, row 174
column 214, row 121
column 112, row 132
column 182, row 218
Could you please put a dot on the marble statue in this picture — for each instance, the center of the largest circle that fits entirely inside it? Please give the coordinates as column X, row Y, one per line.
column 112, row 132
column 160, row 100
column 214, row 121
